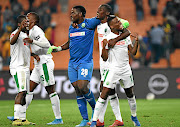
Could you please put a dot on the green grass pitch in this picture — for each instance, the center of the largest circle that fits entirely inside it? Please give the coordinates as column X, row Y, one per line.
column 156, row 113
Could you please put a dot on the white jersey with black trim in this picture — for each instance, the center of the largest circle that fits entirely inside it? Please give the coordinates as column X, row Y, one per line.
column 36, row 33
column 102, row 30
column 20, row 51
column 118, row 55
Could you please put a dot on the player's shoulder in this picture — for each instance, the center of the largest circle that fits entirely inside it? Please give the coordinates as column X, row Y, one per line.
column 13, row 33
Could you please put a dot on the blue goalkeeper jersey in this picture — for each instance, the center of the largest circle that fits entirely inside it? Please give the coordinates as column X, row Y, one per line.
column 81, row 41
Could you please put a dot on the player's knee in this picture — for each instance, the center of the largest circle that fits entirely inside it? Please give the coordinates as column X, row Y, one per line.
column 84, row 90
column 130, row 95
column 50, row 89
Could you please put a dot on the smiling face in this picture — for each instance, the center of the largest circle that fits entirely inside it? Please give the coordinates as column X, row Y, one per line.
column 102, row 12
column 75, row 15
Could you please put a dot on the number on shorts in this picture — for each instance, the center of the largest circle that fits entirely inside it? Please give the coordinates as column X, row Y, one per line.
column 84, row 72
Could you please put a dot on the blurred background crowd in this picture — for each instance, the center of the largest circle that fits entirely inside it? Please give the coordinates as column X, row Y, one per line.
column 157, row 23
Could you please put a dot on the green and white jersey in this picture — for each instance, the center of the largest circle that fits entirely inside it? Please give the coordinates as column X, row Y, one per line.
column 118, row 55
column 20, row 51
column 37, row 34
column 102, row 30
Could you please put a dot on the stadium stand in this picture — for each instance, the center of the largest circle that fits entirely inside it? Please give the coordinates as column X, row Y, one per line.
column 126, row 11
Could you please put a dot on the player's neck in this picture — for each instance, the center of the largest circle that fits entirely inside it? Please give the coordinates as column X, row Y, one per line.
column 104, row 20
column 80, row 21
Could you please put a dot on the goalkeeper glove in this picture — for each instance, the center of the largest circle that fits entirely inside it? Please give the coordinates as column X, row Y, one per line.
column 54, row 49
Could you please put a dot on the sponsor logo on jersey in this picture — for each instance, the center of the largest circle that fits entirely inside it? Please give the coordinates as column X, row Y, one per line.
column 77, row 34
column 100, row 35
column 121, row 42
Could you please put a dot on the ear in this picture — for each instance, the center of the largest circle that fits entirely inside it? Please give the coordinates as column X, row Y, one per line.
column 107, row 13
column 80, row 14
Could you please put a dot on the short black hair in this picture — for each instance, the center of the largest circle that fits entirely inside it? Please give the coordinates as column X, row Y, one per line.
column 81, row 9
column 110, row 18
column 36, row 16
column 107, row 7
column 20, row 18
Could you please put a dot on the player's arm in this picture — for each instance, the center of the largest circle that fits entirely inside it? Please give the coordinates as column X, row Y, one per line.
column 125, row 33
column 104, row 54
column 133, row 48
column 35, row 57
column 92, row 23
column 42, row 42
column 14, row 37
column 65, row 46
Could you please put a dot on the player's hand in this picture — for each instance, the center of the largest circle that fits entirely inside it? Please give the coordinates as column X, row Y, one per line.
column 37, row 58
column 135, row 36
column 52, row 49
column 27, row 40
column 23, row 24
column 105, row 41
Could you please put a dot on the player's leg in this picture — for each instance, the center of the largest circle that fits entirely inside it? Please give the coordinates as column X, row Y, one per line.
column 46, row 71
column 81, row 100
column 84, row 77
column 29, row 95
column 100, row 121
column 20, row 100
column 34, row 82
column 100, row 104
column 114, row 101
column 128, row 84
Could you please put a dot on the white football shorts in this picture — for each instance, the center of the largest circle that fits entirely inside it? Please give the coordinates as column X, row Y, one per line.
column 43, row 73
column 21, row 77
column 112, row 76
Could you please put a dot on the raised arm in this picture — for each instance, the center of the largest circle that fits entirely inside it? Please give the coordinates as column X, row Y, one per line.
column 14, row 37
column 133, row 49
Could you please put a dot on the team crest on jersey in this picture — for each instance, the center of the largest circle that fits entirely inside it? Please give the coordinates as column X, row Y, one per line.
column 77, row 34
column 83, row 25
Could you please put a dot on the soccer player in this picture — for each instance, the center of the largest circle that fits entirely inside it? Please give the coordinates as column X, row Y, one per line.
column 119, row 69
column 19, row 69
column 80, row 68
column 43, row 70
column 103, row 29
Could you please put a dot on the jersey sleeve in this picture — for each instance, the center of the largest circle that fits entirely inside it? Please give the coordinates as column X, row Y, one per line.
column 39, row 38
column 12, row 34
column 92, row 23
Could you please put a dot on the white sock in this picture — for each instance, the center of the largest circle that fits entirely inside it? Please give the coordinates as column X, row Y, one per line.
column 103, row 111
column 114, row 101
column 98, row 108
column 132, row 104
column 16, row 111
column 55, row 105
column 22, row 112
column 29, row 97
